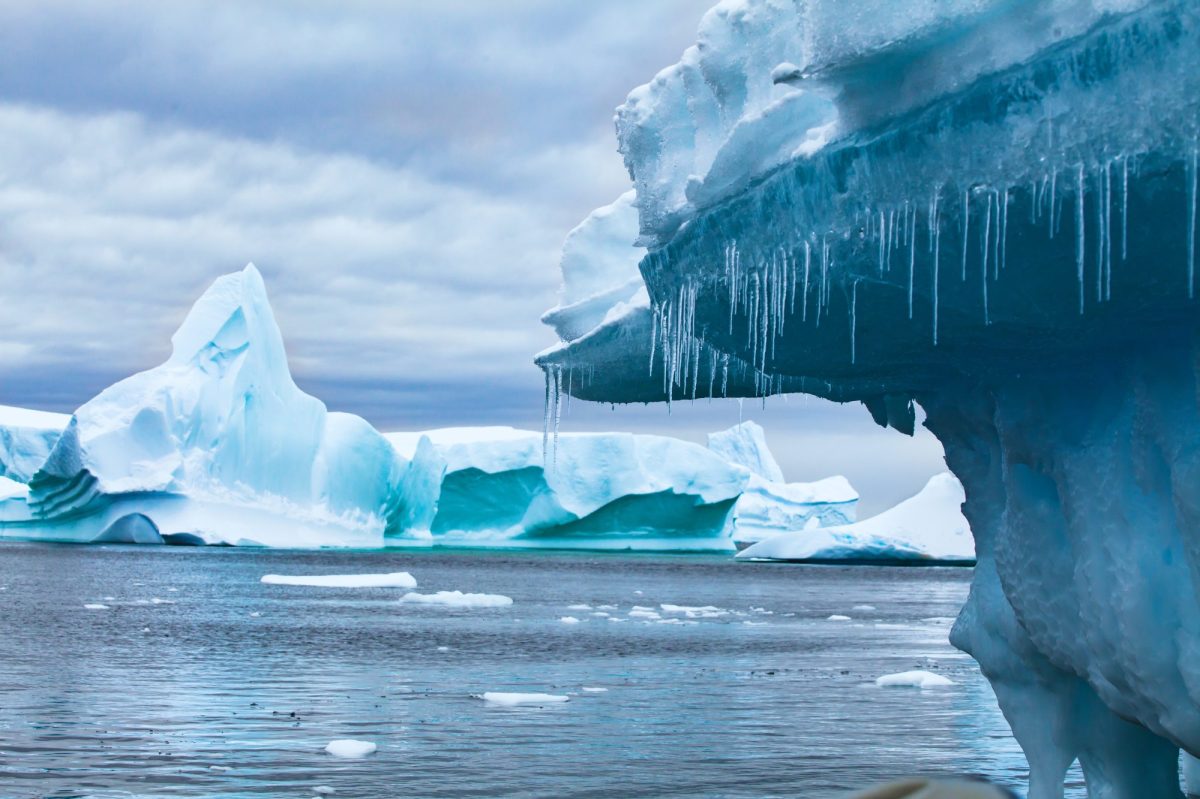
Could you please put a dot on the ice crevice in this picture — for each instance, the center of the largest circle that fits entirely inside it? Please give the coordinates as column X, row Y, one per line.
column 991, row 213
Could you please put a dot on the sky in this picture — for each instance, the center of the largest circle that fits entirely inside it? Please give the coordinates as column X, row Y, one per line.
column 403, row 173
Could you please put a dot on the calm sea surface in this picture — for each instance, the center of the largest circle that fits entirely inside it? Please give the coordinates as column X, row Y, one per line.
column 198, row 680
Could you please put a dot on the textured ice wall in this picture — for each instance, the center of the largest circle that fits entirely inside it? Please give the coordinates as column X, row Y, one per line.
column 997, row 219
column 26, row 438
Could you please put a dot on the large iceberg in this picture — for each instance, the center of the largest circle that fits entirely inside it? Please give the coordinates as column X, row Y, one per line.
column 217, row 445
column 502, row 487
column 927, row 527
column 990, row 209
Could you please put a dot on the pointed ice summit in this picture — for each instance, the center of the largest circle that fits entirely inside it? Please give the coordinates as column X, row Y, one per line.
column 217, row 445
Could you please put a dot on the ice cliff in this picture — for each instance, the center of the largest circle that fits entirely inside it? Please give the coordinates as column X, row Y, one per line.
column 987, row 208
column 217, row 445
column 26, row 438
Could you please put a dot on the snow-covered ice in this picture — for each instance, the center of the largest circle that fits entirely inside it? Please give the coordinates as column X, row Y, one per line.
column 838, row 617
column 350, row 748
column 507, row 699
column 913, row 679
column 95, row 606
column 928, row 526
column 457, row 599
column 569, row 620
column 390, row 580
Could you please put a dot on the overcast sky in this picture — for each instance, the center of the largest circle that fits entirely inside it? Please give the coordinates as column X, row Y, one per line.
column 403, row 173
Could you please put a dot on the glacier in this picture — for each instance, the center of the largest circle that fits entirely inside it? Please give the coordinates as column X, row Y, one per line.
column 986, row 209
column 927, row 527
column 217, row 445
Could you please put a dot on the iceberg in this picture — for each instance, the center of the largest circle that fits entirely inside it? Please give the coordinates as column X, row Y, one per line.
column 217, row 445
column 987, row 209
column 929, row 526
column 502, row 487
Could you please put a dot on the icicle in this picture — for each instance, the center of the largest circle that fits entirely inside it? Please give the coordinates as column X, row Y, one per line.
column 912, row 259
column 853, row 322
column 966, row 230
column 1108, row 231
column 557, row 408
column 936, row 222
column 654, row 312
column 987, row 231
column 725, row 375
column 804, row 297
column 1053, row 197
column 1191, row 248
column 1124, row 207
column 882, row 240
column 1004, row 231
column 1079, row 235
column 570, row 388
column 546, row 417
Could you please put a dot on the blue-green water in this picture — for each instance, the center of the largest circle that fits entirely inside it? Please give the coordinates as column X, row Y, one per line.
column 191, row 695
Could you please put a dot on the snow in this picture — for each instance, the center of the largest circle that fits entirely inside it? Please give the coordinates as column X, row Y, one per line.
column 516, row 699
column 457, row 599
column 350, row 748
column 215, row 445
column 929, row 526
column 390, row 580
column 913, row 679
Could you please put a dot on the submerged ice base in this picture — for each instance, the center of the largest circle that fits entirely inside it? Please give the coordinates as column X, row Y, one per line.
column 989, row 209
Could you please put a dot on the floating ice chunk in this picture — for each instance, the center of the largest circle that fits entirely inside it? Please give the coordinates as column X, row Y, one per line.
column 755, row 623
column 837, row 617
column 157, row 601
column 392, row 580
column 514, row 699
column 913, row 679
column 569, row 620
column 691, row 608
column 457, row 599
column 588, row 689
column 96, row 606
column 644, row 613
column 579, row 607
column 601, row 614
column 348, row 747
column 254, row 614
column 324, row 790
column 865, row 608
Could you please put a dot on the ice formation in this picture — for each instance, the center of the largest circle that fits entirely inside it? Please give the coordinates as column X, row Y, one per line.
column 987, row 208
column 498, row 486
column 927, row 527
column 350, row 748
column 216, row 445
column 516, row 699
column 391, row 580
column 913, row 679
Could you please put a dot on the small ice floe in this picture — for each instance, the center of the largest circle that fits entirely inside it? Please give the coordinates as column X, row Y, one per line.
column 392, row 580
column 95, row 606
column 836, row 617
column 763, row 611
column 614, row 618
column 639, row 593
column 157, row 601
column 145, row 629
column 606, row 607
column 109, row 598
column 323, row 790
column 588, row 689
column 254, row 614
column 172, row 590
column 443, row 649
column 348, row 747
column 864, row 608
column 601, row 614
column 569, row 620
column 913, row 679
column 694, row 611
column 674, row 621
column 579, row 607
column 457, row 599
column 514, row 699
column 755, row 623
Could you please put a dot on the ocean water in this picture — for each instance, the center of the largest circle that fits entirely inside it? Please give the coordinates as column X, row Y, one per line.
column 176, row 689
